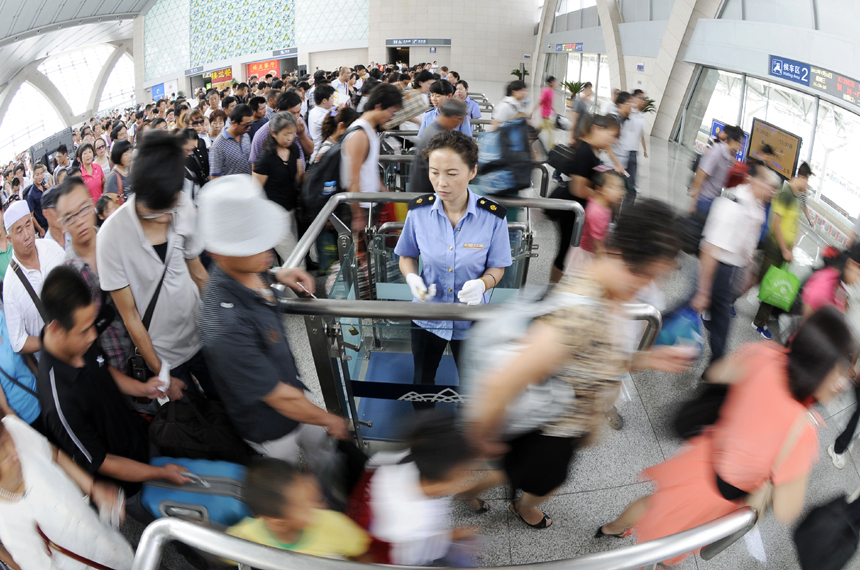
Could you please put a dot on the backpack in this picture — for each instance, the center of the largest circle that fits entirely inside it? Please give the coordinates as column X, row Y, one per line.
column 827, row 538
column 505, row 159
column 499, row 340
column 315, row 193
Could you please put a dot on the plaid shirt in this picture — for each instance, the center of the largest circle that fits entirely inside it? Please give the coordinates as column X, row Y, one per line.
column 115, row 340
column 226, row 156
column 413, row 105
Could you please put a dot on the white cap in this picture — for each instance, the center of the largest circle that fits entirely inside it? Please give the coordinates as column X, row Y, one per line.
column 15, row 212
column 237, row 220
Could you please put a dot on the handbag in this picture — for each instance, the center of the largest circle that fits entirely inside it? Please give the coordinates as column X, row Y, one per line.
column 779, row 287
column 827, row 538
column 198, row 430
column 51, row 545
column 761, row 498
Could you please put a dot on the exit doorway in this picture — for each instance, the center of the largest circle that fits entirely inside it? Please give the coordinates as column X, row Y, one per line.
column 398, row 54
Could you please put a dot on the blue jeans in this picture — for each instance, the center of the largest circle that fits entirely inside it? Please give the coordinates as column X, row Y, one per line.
column 723, row 296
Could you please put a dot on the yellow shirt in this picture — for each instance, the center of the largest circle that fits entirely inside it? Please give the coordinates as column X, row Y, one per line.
column 330, row 535
column 788, row 206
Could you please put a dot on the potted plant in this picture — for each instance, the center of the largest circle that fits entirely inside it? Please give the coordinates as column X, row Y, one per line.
column 649, row 106
column 574, row 88
column 521, row 74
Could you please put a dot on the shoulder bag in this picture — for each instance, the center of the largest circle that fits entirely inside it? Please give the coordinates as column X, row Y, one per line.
column 139, row 370
column 29, row 288
column 762, row 498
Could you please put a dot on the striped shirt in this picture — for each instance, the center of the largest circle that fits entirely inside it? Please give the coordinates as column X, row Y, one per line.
column 227, row 156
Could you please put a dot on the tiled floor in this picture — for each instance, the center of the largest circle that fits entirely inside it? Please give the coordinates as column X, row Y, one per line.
column 605, row 478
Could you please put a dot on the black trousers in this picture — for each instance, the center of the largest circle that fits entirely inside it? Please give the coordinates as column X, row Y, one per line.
column 723, row 296
column 845, row 437
column 427, row 350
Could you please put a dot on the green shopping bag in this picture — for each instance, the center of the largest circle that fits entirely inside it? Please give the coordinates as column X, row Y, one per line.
column 779, row 287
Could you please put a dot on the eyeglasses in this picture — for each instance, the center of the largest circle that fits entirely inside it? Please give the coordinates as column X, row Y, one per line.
column 100, row 147
column 156, row 215
column 79, row 215
column 196, row 123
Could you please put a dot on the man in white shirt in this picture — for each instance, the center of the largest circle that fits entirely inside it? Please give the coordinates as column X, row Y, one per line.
column 35, row 258
column 341, row 88
column 324, row 99
column 729, row 241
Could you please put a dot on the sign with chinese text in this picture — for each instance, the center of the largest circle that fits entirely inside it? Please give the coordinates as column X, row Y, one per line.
column 194, row 71
column 718, row 126
column 568, row 47
column 262, row 68
column 417, row 42
column 286, row 52
column 785, row 145
column 817, row 79
column 158, row 92
column 221, row 77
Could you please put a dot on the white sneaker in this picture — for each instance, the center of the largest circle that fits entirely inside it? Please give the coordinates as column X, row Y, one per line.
column 838, row 458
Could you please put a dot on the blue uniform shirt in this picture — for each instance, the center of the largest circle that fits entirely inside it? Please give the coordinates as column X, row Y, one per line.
column 473, row 108
column 453, row 255
column 430, row 116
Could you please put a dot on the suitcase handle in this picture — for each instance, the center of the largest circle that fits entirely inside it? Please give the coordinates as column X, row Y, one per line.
column 197, row 479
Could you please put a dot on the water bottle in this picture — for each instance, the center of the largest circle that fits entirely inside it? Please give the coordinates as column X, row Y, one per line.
column 329, row 188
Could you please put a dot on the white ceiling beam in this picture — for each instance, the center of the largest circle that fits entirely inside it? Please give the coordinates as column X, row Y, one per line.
column 101, row 80
column 64, row 25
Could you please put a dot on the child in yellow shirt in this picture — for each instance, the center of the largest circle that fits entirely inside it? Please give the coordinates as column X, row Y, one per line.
column 290, row 515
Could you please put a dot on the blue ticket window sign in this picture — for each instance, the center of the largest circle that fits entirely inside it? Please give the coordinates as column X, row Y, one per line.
column 789, row 70
column 718, row 126
column 158, row 92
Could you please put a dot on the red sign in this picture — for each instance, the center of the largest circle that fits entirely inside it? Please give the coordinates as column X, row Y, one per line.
column 220, row 76
column 263, row 68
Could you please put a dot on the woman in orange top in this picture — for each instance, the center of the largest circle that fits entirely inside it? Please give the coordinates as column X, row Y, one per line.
column 771, row 388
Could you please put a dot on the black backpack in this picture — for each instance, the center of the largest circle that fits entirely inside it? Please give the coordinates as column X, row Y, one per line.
column 315, row 194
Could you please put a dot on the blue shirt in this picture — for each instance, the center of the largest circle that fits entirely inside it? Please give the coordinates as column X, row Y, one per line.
column 23, row 403
column 473, row 108
column 453, row 255
column 430, row 116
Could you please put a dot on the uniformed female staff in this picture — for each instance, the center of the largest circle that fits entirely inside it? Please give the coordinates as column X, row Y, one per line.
column 463, row 242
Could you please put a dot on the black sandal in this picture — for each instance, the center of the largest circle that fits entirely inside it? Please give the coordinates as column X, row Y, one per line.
column 544, row 523
column 483, row 507
column 623, row 534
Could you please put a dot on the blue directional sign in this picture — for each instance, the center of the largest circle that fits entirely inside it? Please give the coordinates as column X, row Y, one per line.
column 789, row 70
column 718, row 126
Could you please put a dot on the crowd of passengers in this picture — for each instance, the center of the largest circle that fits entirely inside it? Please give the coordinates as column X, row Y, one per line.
column 140, row 267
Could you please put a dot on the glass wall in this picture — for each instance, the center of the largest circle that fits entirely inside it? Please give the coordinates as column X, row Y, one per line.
column 21, row 127
column 827, row 141
column 583, row 67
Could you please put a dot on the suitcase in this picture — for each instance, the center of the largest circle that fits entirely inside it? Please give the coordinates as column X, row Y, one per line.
column 212, row 497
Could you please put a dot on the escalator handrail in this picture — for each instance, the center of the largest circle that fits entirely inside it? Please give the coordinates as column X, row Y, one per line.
column 158, row 534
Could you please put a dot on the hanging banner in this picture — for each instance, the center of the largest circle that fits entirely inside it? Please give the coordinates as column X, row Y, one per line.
column 261, row 68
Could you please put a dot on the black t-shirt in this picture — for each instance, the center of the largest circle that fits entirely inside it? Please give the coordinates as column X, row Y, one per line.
column 582, row 163
column 281, row 182
column 86, row 415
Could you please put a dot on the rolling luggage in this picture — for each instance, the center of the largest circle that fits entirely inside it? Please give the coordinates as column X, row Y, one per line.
column 212, row 497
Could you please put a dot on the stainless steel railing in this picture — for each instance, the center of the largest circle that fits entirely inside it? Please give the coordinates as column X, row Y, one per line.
column 646, row 555
column 304, row 245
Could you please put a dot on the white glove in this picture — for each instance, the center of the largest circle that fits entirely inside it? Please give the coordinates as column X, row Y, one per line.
column 472, row 292
column 419, row 289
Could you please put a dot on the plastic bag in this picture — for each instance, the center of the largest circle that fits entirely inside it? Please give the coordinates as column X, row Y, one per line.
column 682, row 326
column 779, row 287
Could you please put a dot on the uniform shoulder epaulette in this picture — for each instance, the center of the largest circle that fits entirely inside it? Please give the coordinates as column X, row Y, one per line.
column 492, row 207
column 425, row 200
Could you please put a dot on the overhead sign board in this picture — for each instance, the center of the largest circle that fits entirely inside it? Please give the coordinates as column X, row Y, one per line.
column 568, row 47
column 194, row 71
column 286, row 52
column 405, row 42
column 262, row 68
column 816, row 78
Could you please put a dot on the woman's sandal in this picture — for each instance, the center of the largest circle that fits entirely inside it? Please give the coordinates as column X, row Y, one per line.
column 544, row 523
column 483, row 507
column 623, row 534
